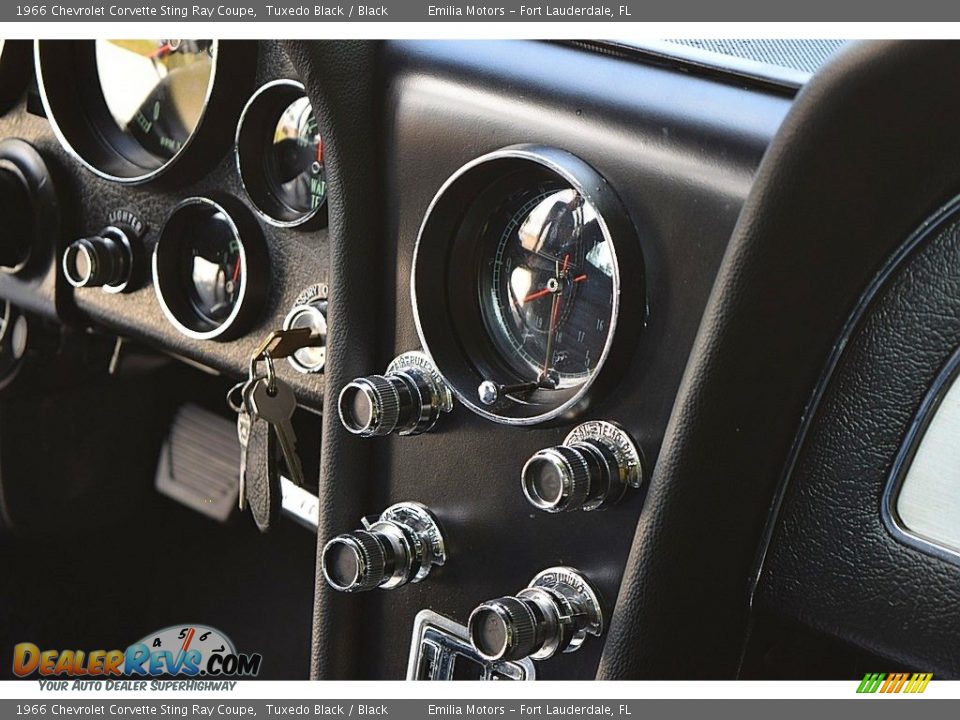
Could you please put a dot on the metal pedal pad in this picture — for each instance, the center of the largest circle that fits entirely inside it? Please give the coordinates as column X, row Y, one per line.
column 200, row 468
column 199, row 462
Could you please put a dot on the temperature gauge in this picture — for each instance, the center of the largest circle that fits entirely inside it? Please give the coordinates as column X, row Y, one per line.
column 280, row 155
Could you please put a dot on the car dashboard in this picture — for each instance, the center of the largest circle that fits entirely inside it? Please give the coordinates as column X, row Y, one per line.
column 476, row 270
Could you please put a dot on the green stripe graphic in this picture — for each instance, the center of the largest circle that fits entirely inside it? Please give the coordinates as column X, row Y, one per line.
column 871, row 682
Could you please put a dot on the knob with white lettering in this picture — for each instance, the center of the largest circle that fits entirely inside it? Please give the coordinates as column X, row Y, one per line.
column 400, row 546
column 591, row 470
column 556, row 612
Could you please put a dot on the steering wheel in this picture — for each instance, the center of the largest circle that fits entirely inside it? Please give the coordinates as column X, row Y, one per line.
column 812, row 359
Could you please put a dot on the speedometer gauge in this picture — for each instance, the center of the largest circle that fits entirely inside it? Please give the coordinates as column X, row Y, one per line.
column 131, row 110
column 156, row 90
column 517, row 284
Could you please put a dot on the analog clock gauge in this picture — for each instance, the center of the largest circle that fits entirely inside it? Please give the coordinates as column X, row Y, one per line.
column 531, row 244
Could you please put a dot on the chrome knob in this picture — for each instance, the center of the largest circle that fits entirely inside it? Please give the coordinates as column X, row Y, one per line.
column 355, row 562
column 371, row 405
column 408, row 399
column 402, row 545
column 555, row 613
column 593, row 468
column 104, row 260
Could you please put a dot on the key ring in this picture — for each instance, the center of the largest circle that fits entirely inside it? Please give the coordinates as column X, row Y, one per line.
column 235, row 402
column 271, row 374
column 271, row 371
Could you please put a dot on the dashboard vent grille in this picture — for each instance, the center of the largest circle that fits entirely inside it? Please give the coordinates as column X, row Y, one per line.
column 802, row 55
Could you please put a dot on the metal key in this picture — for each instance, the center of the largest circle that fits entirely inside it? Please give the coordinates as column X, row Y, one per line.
column 244, row 420
column 277, row 409
column 284, row 343
column 243, row 435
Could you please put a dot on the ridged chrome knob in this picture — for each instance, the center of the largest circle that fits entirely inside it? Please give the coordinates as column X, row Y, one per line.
column 400, row 546
column 407, row 400
column 555, row 613
column 370, row 406
column 354, row 562
column 505, row 628
column 103, row 260
column 558, row 478
column 593, row 468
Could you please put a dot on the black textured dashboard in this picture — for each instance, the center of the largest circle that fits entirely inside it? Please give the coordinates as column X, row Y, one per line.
column 398, row 118
column 298, row 258
column 680, row 152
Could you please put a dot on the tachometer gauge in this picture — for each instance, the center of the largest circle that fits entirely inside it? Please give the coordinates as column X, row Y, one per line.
column 130, row 110
column 280, row 155
column 517, row 284
column 209, row 267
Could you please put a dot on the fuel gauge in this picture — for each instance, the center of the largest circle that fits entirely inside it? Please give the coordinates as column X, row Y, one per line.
column 210, row 267
column 280, row 155
column 212, row 271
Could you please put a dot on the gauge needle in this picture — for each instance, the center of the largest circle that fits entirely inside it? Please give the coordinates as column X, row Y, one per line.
column 236, row 272
column 554, row 320
column 551, row 335
column 162, row 51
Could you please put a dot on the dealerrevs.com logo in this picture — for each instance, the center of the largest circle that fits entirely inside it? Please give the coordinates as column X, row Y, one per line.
column 179, row 650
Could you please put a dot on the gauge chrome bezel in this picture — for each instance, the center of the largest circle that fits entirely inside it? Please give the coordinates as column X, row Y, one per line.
column 253, row 256
column 463, row 371
column 265, row 100
column 95, row 144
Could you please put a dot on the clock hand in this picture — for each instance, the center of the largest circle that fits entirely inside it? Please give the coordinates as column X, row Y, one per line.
column 546, row 291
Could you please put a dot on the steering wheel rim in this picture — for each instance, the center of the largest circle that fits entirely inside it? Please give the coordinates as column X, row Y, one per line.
column 843, row 184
